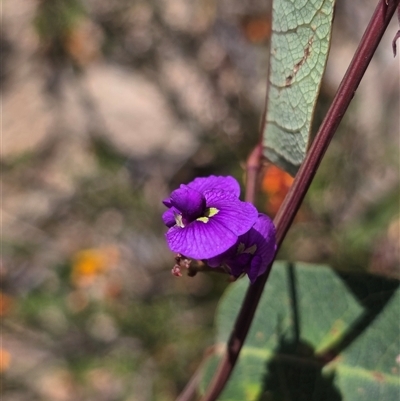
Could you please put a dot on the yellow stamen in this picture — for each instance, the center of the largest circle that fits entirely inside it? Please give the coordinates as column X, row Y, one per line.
column 212, row 211
column 241, row 248
column 251, row 250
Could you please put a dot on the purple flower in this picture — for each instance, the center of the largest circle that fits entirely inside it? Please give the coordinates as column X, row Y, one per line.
column 206, row 217
column 253, row 251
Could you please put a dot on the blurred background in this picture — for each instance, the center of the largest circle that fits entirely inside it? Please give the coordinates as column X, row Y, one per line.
column 106, row 107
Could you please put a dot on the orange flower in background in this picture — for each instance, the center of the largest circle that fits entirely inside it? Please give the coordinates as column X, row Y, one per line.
column 275, row 185
column 83, row 43
column 5, row 360
column 256, row 28
column 91, row 263
column 113, row 290
column 6, row 303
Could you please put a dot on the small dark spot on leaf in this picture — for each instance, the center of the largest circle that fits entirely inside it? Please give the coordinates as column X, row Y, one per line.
column 288, row 80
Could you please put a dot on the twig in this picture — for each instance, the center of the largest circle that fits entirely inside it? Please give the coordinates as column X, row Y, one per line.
column 191, row 387
column 369, row 42
column 253, row 167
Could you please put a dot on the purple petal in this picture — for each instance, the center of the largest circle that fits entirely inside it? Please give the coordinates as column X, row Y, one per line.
column 234, row 214
column 169, row 217
column 239, row 264
column 263, row 229
column 200, row 240
column 216, row 261
column 188, row 201
column 228, row 184
column 263, row 235
column 255, row 268
column 167, row 202
column 220, row 259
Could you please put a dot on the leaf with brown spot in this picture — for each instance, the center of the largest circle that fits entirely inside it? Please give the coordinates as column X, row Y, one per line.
column 300, row 40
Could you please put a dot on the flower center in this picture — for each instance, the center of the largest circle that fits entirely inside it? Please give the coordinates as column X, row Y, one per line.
column 182, row 221
column 209, row 212
column 242, row 249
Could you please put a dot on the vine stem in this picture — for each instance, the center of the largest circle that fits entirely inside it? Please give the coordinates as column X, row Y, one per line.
column 284, row 218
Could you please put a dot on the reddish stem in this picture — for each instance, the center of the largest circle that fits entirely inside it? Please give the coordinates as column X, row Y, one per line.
column 369, row 42
column 253, row 167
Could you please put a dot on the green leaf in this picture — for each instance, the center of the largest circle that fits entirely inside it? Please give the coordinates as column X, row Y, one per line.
column 300, row 40
column 317, row 335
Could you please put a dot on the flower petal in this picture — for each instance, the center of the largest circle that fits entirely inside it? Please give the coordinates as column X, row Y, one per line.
column 254, row 269
column 220, row 259
column 169, row 217
column 239, row 264
column 200, row 240
column 188, row 201
column 228, row 184
column 234, row 214
column 167, row 202
column 263, row 234
column 216, row 261
column 261, row 237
